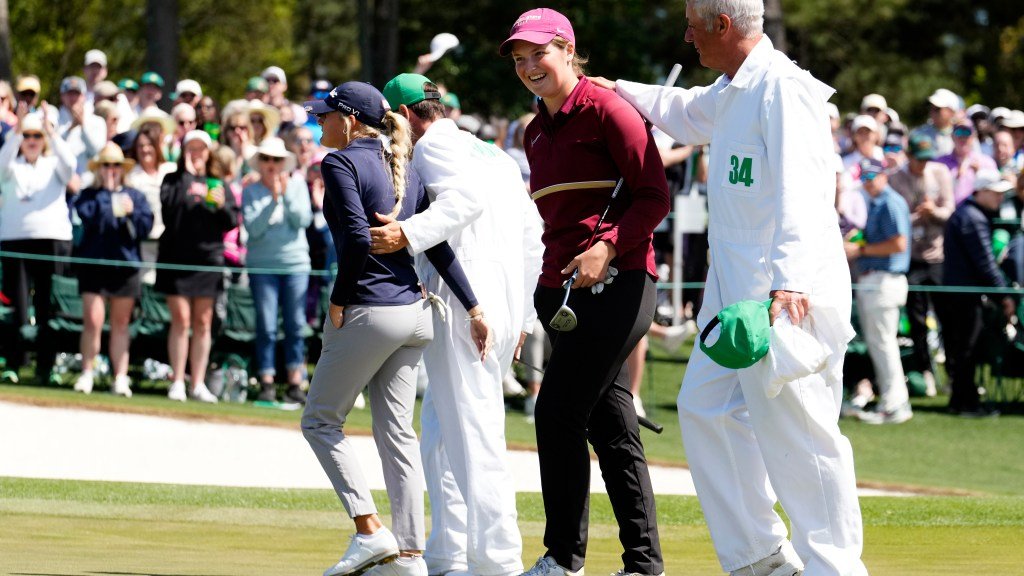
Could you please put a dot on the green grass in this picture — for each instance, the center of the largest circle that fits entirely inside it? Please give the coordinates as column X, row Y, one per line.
column 932, row 451
column 54, row 527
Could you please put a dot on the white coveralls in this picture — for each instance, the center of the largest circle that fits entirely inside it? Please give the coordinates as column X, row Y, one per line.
column 771, row 191
column 478, row 204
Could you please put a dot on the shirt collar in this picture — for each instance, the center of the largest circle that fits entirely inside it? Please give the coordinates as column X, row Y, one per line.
column 571, row 104
column 754, row 65
column 365, row 142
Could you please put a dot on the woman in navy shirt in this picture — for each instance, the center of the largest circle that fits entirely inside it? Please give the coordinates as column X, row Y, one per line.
column 115, row 221
column 378, row 323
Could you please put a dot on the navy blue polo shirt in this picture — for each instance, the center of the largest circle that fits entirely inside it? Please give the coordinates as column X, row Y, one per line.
column 888, row 217
column 357, row 184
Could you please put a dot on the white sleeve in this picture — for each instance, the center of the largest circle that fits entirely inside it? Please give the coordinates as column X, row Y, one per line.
column 800, row 162
column 533, row 254
column 67, row 163
column 685, row 114
column 453, row 189
column 94, row 134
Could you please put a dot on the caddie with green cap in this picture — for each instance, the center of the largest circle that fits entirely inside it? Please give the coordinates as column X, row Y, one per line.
column 478, row 206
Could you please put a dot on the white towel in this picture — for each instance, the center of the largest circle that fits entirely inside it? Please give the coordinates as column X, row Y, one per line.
column 814, row 345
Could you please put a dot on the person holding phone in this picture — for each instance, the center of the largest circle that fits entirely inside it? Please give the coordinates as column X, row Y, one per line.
column 197, row 212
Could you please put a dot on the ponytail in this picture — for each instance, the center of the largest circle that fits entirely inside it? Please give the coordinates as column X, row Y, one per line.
column 396, row 127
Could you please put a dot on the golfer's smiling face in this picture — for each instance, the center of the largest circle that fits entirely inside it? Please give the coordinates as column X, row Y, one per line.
column 544, row 68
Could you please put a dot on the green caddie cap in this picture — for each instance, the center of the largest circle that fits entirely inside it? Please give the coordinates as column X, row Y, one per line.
column 451, row 100
column 257, row 84
column 744, row 337
column 128, row 84
column 409, row 89
column 152, row 78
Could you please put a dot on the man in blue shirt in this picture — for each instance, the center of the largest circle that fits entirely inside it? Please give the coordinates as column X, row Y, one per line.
column 882, row 261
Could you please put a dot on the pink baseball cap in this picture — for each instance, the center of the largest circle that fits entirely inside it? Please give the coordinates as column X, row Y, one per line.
column 538, row 26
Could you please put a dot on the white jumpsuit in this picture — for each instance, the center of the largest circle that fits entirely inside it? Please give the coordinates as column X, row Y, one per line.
column 771, row 191
column 478, row 204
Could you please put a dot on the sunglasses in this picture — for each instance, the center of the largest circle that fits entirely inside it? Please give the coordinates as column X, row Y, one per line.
column 26, row 95
column 868, row 176
column 256, row 119
column 186, row 122
column 32, row 136
column 111, row 165
column 238, row 127
column 961, row 133
column 892, row 149
column 272, row 80
column 265, row 158
column 303, row 140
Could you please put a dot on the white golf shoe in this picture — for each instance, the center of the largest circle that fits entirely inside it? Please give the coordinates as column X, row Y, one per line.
column 400, row 566
column 364, row 551
column 84, row 383
column 202, row 394
column 783, row 562
column 623, row 572
column 122, row 386
column 177, row 391
column 546, row 566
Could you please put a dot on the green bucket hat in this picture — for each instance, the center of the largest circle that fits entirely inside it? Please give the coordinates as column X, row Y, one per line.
column 409, row 89
column 744, row 337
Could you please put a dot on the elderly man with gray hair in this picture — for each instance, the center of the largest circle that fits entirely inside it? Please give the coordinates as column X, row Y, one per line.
column 773, row 232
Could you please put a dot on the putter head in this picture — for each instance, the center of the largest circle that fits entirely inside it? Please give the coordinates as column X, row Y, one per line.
column 564, row 320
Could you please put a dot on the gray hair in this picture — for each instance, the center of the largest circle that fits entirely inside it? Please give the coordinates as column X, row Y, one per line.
column 747, row 15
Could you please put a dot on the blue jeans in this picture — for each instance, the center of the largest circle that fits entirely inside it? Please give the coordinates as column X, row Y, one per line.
column 289, row 292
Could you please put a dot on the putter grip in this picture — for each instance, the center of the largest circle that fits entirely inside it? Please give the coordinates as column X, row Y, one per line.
column 652, row 426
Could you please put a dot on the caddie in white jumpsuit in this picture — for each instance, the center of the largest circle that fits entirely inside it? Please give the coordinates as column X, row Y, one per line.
column 478, row 204
column 772, row 230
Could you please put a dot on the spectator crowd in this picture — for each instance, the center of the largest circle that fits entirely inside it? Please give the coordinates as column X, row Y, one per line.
column 143, row 172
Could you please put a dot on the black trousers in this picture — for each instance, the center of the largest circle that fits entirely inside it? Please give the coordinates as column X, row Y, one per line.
column 23, row 278
column 585, row 397
column 921, row 274
column 962, row 320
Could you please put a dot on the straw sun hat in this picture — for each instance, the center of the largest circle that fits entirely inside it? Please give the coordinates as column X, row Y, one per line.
column 111, row 154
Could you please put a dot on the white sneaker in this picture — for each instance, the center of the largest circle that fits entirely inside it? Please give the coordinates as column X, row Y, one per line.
column 895, row 416
column 675, row 336
column 360, row 403
column 638, row 404
column 84, row 383
column 511, row 387
column 622, row 572
column 122, row 386
column 365, row 551
column 400, row 566
column 177, row 391
column 201, row 393
column 546, row 566
column 784, row 562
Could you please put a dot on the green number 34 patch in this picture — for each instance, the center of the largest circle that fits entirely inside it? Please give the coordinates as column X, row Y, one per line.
column 741, row 171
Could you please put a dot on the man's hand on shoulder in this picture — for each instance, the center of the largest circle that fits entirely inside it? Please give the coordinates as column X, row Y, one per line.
column 602, row 82
column 387, row 238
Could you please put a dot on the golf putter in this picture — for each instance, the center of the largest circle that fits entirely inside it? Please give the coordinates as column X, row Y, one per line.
column 564, row 319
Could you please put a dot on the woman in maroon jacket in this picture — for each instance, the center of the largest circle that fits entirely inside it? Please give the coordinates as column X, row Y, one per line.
column 583, row 141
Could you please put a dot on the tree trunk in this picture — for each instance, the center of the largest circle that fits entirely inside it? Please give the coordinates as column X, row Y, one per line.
column 385, row 41
column 5, row 42
column 366, row 42
column 162, row 30
column 773, row 24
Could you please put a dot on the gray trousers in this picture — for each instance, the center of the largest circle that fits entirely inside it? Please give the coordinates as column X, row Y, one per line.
column 377, row 347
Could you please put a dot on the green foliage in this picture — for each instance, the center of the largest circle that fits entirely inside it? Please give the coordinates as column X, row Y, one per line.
column 905, row 50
